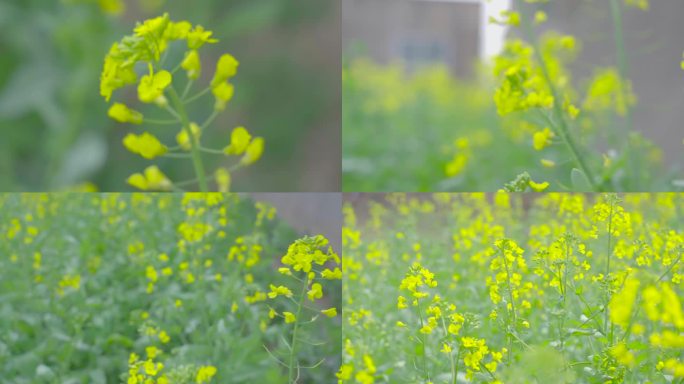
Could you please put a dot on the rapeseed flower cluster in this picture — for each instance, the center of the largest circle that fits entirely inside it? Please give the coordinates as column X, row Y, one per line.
column 148, row 46
column 310, row 267
column 148, row 371
column 533, row 81
column 580, row 287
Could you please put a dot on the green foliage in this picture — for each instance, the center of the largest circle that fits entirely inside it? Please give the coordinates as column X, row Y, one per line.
column 87, row 280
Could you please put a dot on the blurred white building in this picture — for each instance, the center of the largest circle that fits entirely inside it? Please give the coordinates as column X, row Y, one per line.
column 454, row 32
column 457, row 32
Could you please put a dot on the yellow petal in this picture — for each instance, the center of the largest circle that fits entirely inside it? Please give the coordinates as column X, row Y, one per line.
column 253, row 152
column 239, row 141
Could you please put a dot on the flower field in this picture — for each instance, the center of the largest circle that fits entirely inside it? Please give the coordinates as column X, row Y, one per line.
column 537, row 116
column 174, row 288
column 509, row 288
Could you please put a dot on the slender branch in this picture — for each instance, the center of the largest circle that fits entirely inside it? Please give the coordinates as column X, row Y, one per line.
column 197, row 95
column 173, row 113
column 177, row 155
column 293, row 353
column 188, row 85
column 211, row 150
column 175, row 69
column 510, row 287
column 607, row 274
column 451, row 358
column 161, row 122
column 592, row 314
column 315, row 365
column 274, row 357
column 558, row 110
column 209, row 120
column 488, row 371
column 422, row 342
column 194, row 144
column 621, row 53
column 670, row 268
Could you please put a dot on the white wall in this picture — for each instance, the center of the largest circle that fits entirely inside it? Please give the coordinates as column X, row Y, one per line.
column 493, row 35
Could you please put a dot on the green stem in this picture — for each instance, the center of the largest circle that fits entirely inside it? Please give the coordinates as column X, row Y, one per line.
column 451, row 358
column 188, row 85
column 670, row 268
column 211, row 150
column 565, row 270
column 194, row 144
column 458, row 359
column 633, row 317
column 209, row 120
column 197, row 96
column 561, row 320
column 563, row 130
column 292, row 370
column 176, row 155
column 160, row 122
column 621, row 53
column 591, row 315
column 607, row 274
column 488, row 371
column 426, row 376
column 508, row 315
column 231, row 169
column 510, row 288
column 173, row 113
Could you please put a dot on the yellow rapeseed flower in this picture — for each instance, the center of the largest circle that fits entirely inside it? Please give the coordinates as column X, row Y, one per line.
column 222, row 177
column 316, row 292
column 183, row 139
column 205, row 373
column 121, row 113
column 152, row 179
column 223, row 94
column 280, row 290
column 622, row 303
column 446, row 348
column 198, row 36
column 191, row 63
column 226, row 67
column 289, row 317
column 152, row 86
column 253, row 152
column 239, row 141
column 538, row 187
column 145, row 145
column 164, row 337
column 542, row 139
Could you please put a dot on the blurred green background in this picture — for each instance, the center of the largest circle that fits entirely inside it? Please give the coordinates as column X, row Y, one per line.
column 54, row 126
